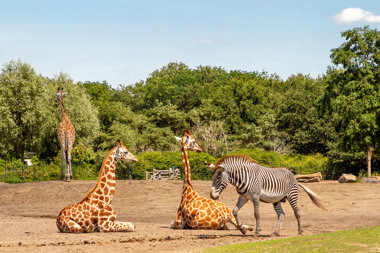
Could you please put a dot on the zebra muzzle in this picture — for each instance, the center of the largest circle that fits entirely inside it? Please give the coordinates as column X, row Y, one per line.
column 212, row 194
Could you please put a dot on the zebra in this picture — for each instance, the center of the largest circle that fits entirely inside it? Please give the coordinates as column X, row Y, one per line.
column 258, row 183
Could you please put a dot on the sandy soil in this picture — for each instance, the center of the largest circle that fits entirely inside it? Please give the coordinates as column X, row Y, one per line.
column 28, row 212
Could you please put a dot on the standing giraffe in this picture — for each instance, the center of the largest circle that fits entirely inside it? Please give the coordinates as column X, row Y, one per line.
column 66, row 138
column 195, row 211
column 94, row 213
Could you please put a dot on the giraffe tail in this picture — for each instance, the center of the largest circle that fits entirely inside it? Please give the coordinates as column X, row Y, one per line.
column 66, row 148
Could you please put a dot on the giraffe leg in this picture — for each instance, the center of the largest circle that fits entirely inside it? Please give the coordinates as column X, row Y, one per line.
column 115, row 226
column 63, row 162
column 280, row 216
column 70, row 172
column 67, row 225
column 68, row 161
column 176, row 224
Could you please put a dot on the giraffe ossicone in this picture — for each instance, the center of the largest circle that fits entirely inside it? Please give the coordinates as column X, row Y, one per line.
column 66, row 138
column 94, row 213
column 195, row 211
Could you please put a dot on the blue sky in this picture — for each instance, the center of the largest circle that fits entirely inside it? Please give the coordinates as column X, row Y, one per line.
column 122, row 42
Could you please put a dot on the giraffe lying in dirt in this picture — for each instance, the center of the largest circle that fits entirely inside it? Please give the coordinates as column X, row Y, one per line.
column 94, row 213
column 197, row 212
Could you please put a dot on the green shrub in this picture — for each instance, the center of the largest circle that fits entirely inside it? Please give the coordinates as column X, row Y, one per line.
column 299, row 164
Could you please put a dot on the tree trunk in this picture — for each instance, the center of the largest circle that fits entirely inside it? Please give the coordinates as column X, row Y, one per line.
column 369, row 158
column 22, row 150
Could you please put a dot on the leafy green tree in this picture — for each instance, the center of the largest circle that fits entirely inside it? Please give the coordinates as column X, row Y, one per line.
column 299, row 119
column 352, row 96
column 23, row 113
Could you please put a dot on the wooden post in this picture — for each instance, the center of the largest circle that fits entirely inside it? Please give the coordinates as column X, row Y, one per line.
column 369, row 158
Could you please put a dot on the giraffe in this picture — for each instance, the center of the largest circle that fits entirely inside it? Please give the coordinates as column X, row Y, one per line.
column 66, row 138
column 195, row 211
column 94, row 213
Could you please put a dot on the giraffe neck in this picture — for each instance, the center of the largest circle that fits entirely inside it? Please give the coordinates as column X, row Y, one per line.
column 186, row 164
column 63, row 110
column 105, row 186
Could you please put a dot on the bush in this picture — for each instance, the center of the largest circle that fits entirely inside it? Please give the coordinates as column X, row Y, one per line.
column 300, row 164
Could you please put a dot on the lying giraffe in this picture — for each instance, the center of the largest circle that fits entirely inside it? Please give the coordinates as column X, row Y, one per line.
column 94, row 213
column 195, row 211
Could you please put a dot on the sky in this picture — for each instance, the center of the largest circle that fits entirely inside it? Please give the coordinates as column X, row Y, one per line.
column 123, row 42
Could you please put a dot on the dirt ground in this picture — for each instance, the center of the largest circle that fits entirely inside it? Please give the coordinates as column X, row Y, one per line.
column 28, row 212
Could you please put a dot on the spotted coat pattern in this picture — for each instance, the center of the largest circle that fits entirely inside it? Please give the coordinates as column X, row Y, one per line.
column 195, row 211
column 94, row 213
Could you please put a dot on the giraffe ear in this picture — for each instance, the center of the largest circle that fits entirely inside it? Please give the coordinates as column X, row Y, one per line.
column 188, row 132
column 178, row 139
column 211, row 166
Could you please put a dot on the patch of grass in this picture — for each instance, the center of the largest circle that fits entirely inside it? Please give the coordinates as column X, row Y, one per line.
column 357, row 240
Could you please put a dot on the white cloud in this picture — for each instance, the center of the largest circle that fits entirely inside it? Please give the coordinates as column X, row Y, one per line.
column 351, row 15
column 204, row 41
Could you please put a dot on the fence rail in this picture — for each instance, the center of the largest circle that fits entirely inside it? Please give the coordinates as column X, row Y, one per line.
column 170, row 174
column 16, row 173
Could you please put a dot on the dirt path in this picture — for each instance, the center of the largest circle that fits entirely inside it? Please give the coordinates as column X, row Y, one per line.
column 28, row 212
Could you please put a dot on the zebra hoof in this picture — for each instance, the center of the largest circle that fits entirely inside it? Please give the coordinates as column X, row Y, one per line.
column 245, row 228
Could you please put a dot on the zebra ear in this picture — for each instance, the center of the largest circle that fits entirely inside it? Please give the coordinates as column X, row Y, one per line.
column 222, row 169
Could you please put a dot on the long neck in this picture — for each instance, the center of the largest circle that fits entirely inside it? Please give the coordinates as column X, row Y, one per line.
column 186, row 164
column 63, row 110
column 105, row 186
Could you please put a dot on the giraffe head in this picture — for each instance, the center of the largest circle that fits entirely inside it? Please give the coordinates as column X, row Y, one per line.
column 123, row 153
column 189, row 141
column 60, row 94
column 220, row 180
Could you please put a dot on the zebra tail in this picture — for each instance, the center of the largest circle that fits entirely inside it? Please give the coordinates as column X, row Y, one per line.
column 314, row 197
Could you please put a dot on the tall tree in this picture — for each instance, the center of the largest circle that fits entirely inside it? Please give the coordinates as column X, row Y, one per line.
column 22, row 110
column 353, row 92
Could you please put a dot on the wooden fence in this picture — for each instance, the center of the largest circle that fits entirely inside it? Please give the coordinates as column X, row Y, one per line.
column 170, row 174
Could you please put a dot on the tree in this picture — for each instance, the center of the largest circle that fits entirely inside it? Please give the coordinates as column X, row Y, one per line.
column 353, row 93
column 298, row 116
column 22, row 109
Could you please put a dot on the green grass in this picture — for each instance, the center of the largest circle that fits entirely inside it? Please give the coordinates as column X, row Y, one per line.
column 357, row 240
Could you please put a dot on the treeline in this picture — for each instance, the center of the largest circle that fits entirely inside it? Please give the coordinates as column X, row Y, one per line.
column 336, row 115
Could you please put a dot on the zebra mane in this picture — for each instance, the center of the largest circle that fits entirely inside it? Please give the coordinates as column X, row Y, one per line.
column 234, row 158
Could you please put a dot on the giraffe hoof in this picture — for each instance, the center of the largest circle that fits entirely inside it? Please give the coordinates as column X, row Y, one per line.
column 174, row 225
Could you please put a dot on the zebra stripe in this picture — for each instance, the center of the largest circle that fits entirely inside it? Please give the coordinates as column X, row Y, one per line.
column 258, row 183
